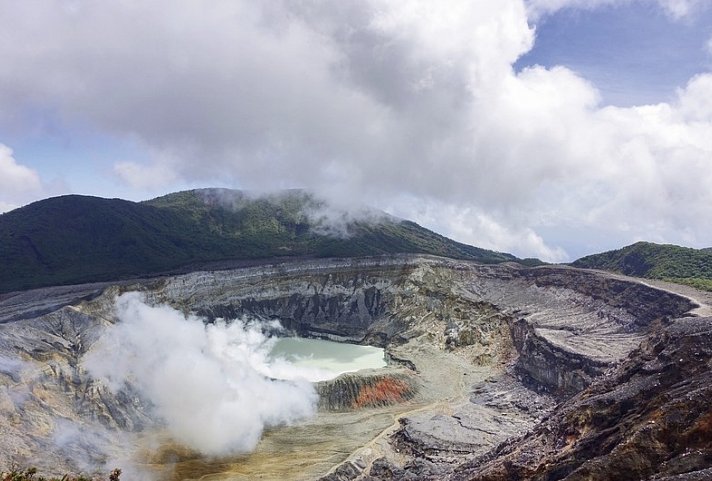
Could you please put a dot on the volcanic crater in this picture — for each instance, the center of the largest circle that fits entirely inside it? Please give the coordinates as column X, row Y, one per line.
column 494, row 372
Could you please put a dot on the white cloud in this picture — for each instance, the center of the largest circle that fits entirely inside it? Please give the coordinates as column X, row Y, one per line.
column 6, row 207
column 695, row 102
column 680, row 8
column 371, row 102
column 477, row 228
column 676, row 9
column 146, row 177
column 208, row 383
column 538, row 8
column 18, row 183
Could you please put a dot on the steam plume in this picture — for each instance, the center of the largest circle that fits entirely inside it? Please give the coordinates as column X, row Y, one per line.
column 207, row 383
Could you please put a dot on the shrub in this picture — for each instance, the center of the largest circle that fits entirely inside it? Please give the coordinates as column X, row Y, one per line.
column 29, row 474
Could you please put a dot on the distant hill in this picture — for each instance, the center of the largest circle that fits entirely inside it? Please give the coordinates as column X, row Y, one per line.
column 683, row 265
column 75, row 239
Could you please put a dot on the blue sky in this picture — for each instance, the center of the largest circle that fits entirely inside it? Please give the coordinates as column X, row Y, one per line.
column 634, row 53
column 551, row 128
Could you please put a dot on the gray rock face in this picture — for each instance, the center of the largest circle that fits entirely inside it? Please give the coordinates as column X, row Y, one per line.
column 341, row 298
column 545, row 366
column 479, row 354
column 51, row 414
column 648, row 419
column 498, row 409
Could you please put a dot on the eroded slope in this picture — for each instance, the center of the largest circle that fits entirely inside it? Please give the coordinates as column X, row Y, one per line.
column 649, row 419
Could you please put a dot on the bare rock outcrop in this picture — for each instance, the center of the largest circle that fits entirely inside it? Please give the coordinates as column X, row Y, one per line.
column 367, row 390
column 651, row 418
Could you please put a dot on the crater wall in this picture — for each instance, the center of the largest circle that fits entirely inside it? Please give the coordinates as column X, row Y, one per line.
column 555, row 329
column 565, row 325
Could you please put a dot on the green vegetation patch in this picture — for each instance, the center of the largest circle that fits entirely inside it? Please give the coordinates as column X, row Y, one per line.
column 77, row 239
column 682, row 265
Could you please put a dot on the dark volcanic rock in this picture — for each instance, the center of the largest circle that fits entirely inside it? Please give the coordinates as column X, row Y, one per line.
column 546, row 367
column 650, row 417
column 341, row 298
column 646, row 304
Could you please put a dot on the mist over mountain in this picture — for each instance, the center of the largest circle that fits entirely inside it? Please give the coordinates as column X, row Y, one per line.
column 75, row 239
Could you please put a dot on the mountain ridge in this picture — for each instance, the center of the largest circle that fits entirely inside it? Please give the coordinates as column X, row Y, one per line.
column 668, row 262
column 75, row 239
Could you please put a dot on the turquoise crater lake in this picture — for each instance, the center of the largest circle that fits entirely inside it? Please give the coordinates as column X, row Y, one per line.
column 319, row 360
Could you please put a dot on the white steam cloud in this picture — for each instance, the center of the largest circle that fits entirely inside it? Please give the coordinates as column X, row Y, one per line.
column 11, row 367
column 94, row 448
column 15, row 392
column 326, row 216
column 332, row 220
column 209, row 384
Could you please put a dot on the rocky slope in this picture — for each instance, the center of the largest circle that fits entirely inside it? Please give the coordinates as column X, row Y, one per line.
column 650, row 418
column 480, row 354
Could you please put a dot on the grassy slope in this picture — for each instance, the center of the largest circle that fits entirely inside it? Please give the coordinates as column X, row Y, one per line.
column 74, row 239
column 683, row 265
column 278, row 225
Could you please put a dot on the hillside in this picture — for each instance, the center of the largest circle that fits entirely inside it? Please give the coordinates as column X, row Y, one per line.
column 75, row 239
column 683, row 265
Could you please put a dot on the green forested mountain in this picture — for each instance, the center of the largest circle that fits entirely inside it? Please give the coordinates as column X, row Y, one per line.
column 75, row 239
column 683, row 265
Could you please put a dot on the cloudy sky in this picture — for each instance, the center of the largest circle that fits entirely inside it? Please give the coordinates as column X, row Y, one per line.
column 548, row 128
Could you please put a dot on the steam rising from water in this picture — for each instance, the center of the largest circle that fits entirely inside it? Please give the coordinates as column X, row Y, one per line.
column 209, row 384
